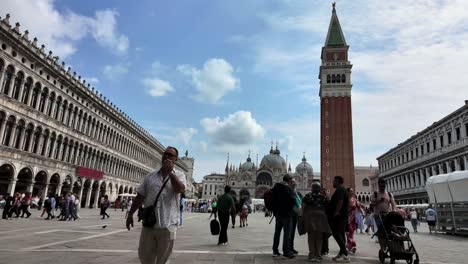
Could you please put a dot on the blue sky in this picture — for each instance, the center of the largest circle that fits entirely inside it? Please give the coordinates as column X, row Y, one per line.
column 231, row 76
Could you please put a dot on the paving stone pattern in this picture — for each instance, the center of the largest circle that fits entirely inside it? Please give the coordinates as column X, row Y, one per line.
column 35, row 240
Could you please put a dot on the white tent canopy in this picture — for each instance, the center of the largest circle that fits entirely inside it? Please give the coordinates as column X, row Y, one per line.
column 447, row 188
column 127, row 195
column 258, row 202
column 423, row 206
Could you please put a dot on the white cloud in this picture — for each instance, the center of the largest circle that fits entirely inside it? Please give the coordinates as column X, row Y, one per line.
column 61, row 31
column 115, row 72
column 157, row 68
column 187, row 134
column 157, row 87
column 236, row 130
column 286, row 143
column 213, row 81
column 104, row 30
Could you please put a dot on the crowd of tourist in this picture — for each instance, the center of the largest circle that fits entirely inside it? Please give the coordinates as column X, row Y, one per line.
column 320, row 216
column 65, row 207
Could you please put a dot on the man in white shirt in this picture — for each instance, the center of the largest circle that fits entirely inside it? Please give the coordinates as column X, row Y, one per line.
column 156, row 242
column 431, row 219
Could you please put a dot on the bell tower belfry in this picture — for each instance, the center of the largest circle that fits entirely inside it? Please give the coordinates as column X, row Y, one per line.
column 336, row 131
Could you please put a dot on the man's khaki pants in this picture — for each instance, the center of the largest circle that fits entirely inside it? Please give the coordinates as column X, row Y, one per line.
column 156, row 245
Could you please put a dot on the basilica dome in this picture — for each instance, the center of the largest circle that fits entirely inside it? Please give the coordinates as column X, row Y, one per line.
column 274, row 161
column 304, row 167
column 248, row 165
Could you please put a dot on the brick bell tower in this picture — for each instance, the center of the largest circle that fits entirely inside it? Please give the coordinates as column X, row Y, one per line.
column 336, row 130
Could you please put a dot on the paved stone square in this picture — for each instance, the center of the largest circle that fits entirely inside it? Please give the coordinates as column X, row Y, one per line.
column 35, row 240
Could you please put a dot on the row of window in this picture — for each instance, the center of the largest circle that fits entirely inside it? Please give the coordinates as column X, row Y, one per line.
column 48, row 103
column 25, row 136
column 40, row 72
column 414, row 179
column 436, row 143
column 336, row 78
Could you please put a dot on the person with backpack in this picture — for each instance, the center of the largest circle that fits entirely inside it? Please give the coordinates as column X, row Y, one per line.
column 382, row 203
column 283, row 200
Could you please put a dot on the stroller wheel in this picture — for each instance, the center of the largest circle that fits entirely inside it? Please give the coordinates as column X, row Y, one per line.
column 381, row 256
column 410, row 260
column 416, row 261
column 392, row 261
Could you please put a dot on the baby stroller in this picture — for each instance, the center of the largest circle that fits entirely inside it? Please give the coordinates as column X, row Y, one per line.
column 395, row 236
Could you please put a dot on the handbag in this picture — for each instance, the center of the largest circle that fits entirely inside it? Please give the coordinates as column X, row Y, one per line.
column 149, row 215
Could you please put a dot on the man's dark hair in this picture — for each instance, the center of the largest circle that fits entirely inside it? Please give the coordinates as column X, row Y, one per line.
column 175, row 149
column 227, row 189
column 287, row 177
column 339, row 179
column 381, row 181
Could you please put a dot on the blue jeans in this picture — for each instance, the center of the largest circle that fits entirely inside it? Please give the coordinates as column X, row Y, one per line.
column 283, row 223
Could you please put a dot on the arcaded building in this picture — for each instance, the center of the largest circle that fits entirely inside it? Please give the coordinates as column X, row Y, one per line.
column 440, row 148
column 58, row 134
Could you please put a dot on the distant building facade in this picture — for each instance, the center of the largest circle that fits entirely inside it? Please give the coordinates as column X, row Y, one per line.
column 363, row 177
column 249, row 180
column 440, row 148
column 58, row 134
column 213, row 185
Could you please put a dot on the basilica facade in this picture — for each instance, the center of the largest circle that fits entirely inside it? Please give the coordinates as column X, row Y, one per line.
column 58, row 134
column 250, row 180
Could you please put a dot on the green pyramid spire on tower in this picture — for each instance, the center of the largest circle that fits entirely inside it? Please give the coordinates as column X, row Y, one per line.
column 335, row 35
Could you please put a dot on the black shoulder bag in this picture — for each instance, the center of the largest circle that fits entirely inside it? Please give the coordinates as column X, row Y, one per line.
column 149, row 215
